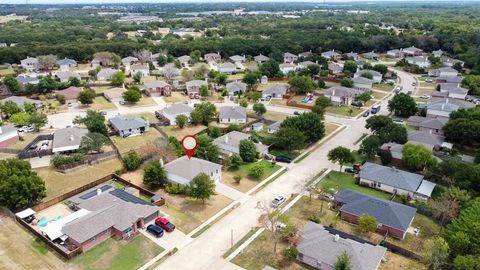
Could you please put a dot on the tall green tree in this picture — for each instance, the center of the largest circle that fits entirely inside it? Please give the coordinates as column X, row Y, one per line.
column 343, row 262
column 310, row 124
column 201, row 187
column 132, row 95
column 207, row 149
column 94, row 121
column 38, row 120
column 86, row 96
column 270, row 68
column 370, row 146
column 131, row 161
column 402, row 105
column 248, row 150
column 417, row 157
column 93, row 142
column 12, row 84
column 289, row 138
column 341, row 155
column 259, row 108
column 436, row 253
column 301, row 84
column 203, row 113
column 118, row 78
column 154, row 175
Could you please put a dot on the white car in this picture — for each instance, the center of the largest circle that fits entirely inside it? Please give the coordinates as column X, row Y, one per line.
column 278, row 201
column 425, row 96
column 26, row 129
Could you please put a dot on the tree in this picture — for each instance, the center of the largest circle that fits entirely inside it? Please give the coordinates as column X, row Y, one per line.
column 468, row 262
column 248, row 150
column 367, row 224
column 370, row 146
column 86, row 96
column 251, row 78
column 350, row 67
column 463, row 131
column 256, row 171
column 201, row 187
column 301, row 84
column 118, row 78
column 377, row 122
column 9, row 108
column 221, row 79
column 436, row 253
column 270, row 221
column 259, row 108
column 346, row 82
column 417, row 157
column 132, row 95
column 270, row 68
column 366, row 75
column 47, row 62
column 364, row 97
column 472, row 83
column 94, row 121
column 343, row 262
column 12, row 84
column 402, row 105
column 137, row 77
column 20, row 186
column 234, row 162
column 314, row 69
column 253, row 95
column 381, row 68
column 385, row 156
column 203, row 113
column 20, row 119
column 46, row 84
column 74, row 81
column 170, row 72
column 131, row 161
column 243, row 102
column 393, row 133
column 207, row 149
column 38, row 120
column 342, row 155
column 93, row 142
column 289, row 138
column 452, row 193
column 29, row 108
column 154, row 175
column 310, row 124
column 143, row 55
column 214, row 132
column 321, row 103
column 204, row 91
column 181, row 120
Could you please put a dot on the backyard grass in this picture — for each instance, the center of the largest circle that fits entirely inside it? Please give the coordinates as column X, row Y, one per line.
column 143, row 102
column 53, row 106
column 178, row 133
column 135, row 142
column 398, row 262
column 344, row 110
column 121, row 254
column 278, row 102
column 58, row 183
column 149, row 116
column 247, row 182
column 273, row 116
column 383, row 86
column 176, row 97
column 7, row 71
column 100, row 104
column 336, row 180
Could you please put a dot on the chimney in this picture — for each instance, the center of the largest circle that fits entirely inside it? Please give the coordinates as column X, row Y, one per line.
column 226, row 138
column 336, row 238
column 316, row 62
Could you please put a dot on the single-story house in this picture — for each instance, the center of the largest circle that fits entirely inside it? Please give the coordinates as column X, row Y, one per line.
column 395, row 149
column 182, row 170
column 274, row 127
column 212, row 57
column 392, row 218
column 8, row 135
column 426, row 138
column 184, row 60
column 193, row 87
column 232, row 115
column 24, row 80
column 340, row 95
column 420, row 61
column 394, row 181
column 431, row 125
column 105, row 74
column 261, row 58
column 444, row 71
column 305, row 54
column 129, row 60
column 66, row 64
column 226, row 68
column 289, row 57
column 157, row 88
column 396, row 53
column 114, row 94
column 143, row 69
column 127, row 126
column 331, row 55
column 442, row 107
column 376, row 76
column 438, row 53
column 70, row 94
column 450, row 62
column 319, row 247
column 30, row 64
column 238, row 59
column 449, row 79
column 20, row 101
column 68, row 139
column 236, row 87
column 305, row 64
column 174, row 110
column 458, row 93
column 104, row 213
column 230, row 143
column 64, row 76
column 371, row 55
column 275, row 90
column 413, row 51
column 286, row 68
column 353, row 56
column 362, row 83
column 335, row 68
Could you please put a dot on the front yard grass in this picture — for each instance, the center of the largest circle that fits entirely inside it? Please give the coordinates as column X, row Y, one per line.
column 247, row 182
column 178, row 133
column 336, row 180
column 101, row 89
column 344, row 110
column 58, row 183
column 383, row 87
column 273, row 116
column 119, row 254
column 278, row 102
column 143, row 102
column 135, row 142
column 100, row 104
column 378, row 94
column 176, row 97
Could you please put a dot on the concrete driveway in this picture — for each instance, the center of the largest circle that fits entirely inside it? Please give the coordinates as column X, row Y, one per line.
column 169, row 240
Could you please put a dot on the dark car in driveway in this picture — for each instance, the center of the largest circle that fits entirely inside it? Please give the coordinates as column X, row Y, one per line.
column 351, row 170
column 283, row 159
column 155, row 230
column 366, row 113
column 164, row 224
column 357, row 103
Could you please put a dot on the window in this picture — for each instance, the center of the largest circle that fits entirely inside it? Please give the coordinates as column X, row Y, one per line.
column 216, row 171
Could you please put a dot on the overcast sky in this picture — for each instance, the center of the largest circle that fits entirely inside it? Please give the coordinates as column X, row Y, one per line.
column 187, row 1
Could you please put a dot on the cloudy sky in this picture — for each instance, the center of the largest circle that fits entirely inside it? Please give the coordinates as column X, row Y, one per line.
column 185, row 1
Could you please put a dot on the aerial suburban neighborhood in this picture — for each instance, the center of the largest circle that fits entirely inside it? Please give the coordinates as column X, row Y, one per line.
column 240, row 135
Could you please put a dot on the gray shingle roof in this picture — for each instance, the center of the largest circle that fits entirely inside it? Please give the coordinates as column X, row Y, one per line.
column 340, row 91
column 156, row 84
column 287, row 54
column 26, row 79
column 389, row 213
column 391, row 176
column 278, row 89
column 233, row 139
column 21, row 100
column 71, row 136
column 369, row 71
column 189, row 168
column 236, row 86
column 425, row 138
column 261, row 58
column 233, row 112
column 237, row 58
column 318, row 243
column 65, row 75
column 175, row 109
column 124, row 123
column 362, row 80
column 66, row 61
column 196, row 83
column 448, row 104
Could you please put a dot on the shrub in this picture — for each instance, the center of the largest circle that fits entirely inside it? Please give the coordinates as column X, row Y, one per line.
column 60, row 98
column 59, row 160
column 314, row 218
column 131, row 161
column 237, row 179
column 234, row 162
column 174, row 189
column 256, row 171
column 291, row 253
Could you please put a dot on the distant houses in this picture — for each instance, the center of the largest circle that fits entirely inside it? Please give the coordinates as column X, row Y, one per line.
column 114, row 94
column 230, row 142
column 289, row 58
column 212, row 57
column 193, row 88
column 66, row 64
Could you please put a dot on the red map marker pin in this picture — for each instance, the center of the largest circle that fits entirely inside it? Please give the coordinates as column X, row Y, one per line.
column 189, row 145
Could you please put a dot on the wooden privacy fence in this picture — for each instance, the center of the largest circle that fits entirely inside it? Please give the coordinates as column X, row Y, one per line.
column 399, row 250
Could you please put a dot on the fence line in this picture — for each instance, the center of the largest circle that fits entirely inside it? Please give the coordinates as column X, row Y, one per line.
column 9, row 150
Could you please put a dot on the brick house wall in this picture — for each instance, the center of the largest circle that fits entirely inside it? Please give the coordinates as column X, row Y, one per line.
column 383, row 229
column 9, row 141
column 160, row 91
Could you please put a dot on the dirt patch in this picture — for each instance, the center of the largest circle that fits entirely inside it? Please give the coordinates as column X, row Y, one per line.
column 398, row 262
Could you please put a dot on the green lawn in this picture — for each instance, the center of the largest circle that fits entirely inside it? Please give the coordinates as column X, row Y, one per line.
column 247, row 182
column 290, row 154
column 119, row 254
column 383, row 86
column 135, row 142
column 143, row 102
column 7, row 71
column 100, row 104
column 149, row 116
column 180, row 132
column 378, row 95
column 101, row 89
column 344, row 110
column 336, row 180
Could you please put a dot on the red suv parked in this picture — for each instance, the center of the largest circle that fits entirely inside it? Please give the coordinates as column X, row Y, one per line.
column 164, row 224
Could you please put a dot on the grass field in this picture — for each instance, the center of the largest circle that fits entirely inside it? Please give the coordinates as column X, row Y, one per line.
column 100, row 104
column 143, row 102
column 101, row 89
column 383, row 87
column 135, row 142
column 378, row 94
column 149, row 116
column 118, row 254
column 7, row 71
column 344, row 110
column 336, row 180
column 58, row 183
column 247, row 182
column 180, row 132
column 176, row 97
